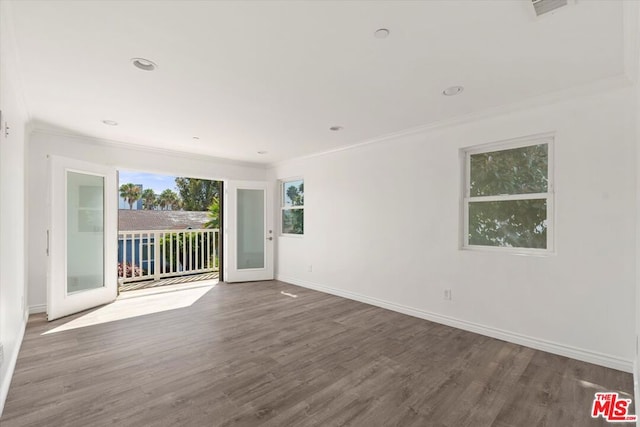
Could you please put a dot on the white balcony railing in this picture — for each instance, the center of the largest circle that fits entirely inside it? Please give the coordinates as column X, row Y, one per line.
column 155, row 254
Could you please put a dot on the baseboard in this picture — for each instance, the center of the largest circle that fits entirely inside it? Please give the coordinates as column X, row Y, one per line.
column 5, row 382
column 596, row 358
column 38, row 308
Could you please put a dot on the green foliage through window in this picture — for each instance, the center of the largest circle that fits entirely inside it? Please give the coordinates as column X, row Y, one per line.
column 293, row 221
column 508, row 197
column 515, row 171
column 293, row 207
column 511, row 223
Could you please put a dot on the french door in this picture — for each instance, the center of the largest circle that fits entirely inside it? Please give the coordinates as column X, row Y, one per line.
column 82, row 236
column 249, row 236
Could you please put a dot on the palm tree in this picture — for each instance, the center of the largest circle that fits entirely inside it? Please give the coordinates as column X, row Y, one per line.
column 168, row 199
column 131, row 193
column 149, row 199
column 177, row 203
column 214, row 214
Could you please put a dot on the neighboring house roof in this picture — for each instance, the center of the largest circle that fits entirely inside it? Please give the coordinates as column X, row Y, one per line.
column 131, row 220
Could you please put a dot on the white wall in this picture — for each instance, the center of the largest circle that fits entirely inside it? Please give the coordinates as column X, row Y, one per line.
column 43, row 143
column 12, row 203
column 382, row 226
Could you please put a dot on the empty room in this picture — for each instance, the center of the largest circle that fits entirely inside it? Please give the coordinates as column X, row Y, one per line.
column 319, row 213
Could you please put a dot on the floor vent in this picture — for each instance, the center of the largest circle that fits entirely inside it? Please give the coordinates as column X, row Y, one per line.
column 545, row 6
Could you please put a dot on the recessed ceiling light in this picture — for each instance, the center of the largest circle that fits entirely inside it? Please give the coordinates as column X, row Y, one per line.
column 144, row 64
column 110, row 122
column 453, row 90
column 336, row 128
column 381, row 33
column 262, row 152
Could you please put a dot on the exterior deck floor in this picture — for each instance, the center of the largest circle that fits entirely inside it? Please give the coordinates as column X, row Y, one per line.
column 148, row 284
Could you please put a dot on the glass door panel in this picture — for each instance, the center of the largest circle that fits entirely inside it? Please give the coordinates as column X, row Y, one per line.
column 85, row 232
column 248, row 232
column 251, row 235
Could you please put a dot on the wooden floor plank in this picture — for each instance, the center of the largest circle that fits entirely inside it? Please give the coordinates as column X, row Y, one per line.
column 247, row 355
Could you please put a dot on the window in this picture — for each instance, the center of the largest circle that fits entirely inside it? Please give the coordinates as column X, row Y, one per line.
column 293, row 207
column 147, row 252
column 508, row 196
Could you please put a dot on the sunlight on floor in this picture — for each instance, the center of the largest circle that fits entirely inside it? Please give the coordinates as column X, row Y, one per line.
column 133, row 306
column 599, row 388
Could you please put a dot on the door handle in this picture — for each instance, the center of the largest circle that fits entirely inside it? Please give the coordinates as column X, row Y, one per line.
column 269, row 238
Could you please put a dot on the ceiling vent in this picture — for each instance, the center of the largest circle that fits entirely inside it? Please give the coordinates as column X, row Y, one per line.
column 545, row 6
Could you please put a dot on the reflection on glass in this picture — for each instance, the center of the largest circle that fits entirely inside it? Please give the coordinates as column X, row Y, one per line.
column 293, row 192
column 515, row 171
column 511, row 223
column 251, row 233
column 85, row 232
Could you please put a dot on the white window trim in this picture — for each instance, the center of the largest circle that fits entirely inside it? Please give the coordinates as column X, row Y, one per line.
column 546, row 138
column 282, row 181
column 149, row 247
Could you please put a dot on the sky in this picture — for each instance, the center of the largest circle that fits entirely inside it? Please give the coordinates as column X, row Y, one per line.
column 158, row 183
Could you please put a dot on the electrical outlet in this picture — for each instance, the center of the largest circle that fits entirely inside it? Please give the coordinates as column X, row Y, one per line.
column 310, row 268
column 447, row 294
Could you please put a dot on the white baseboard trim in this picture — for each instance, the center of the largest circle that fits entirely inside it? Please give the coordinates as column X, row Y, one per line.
column 596, row 358
column 5, row 382
column 38, row 308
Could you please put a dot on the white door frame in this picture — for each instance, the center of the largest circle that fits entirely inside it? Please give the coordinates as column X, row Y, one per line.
column 231, row 271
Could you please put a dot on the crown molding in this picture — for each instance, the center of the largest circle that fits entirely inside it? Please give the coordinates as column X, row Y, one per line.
column 107, row 143
column 618, row 82
column 603, row 85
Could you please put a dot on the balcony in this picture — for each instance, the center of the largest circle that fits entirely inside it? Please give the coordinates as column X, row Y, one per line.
column 151, row 258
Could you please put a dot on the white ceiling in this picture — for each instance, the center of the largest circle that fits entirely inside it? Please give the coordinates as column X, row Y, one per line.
column 274, row 76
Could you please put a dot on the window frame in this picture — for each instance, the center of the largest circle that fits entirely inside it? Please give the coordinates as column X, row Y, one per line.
column 282, row 182
column 149, row 249
column 465, row 156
